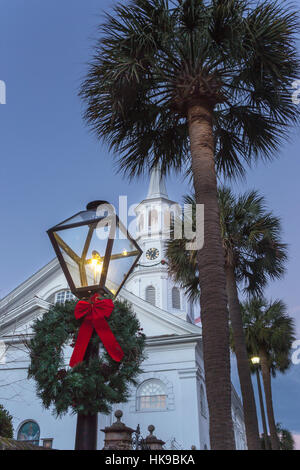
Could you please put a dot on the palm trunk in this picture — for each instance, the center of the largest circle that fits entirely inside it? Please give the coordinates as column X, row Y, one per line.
column 214, row 313
column 262, row 411
column 265, row 369
column 250, row 415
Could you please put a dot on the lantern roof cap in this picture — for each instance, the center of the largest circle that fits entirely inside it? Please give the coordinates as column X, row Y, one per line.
column 94, row 204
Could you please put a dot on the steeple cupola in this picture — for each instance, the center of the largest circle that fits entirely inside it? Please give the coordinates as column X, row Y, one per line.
column 154, row 212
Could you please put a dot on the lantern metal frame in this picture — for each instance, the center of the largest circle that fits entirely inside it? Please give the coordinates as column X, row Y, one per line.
column 58, row 244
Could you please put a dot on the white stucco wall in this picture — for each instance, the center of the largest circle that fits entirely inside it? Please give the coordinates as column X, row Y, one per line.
column 18, row 395
column 174, row 365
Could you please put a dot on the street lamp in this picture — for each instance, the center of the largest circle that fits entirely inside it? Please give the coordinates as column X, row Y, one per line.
column 97, row 255
column 95, row 250
column 256, row 362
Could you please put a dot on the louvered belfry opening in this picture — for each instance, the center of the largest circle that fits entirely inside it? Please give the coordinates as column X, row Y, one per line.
column 150, row 295
column 176, row 298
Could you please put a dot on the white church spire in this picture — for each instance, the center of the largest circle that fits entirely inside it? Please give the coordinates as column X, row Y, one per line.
column 157, row 186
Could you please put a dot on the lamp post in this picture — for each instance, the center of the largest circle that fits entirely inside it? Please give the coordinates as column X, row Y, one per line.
column 256, row 361
column 96, row 254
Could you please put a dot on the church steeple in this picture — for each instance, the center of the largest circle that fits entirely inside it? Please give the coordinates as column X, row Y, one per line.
column 157, row 186
column 150, row 279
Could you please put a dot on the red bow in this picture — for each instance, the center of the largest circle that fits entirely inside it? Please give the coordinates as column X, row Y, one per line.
column 95, row 314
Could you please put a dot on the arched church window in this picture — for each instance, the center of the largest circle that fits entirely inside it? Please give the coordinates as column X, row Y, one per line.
column 152, row 218
column 29, row 431
column 64, row 296
column 141, row 223
column 169, row 222
column 3, row 349
column 176, row 298
column 151, row 395
column 202, row 401
column 172, row 221
column 166, row 219
column 150, row 295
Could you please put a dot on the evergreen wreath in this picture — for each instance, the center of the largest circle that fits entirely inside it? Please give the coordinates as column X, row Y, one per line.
column 91, row 387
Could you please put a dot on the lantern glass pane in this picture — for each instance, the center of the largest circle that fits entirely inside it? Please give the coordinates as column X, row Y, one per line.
column 82, row 216
column 123, row 256
column 74, row 238
column 83, row 249
column 73, row 269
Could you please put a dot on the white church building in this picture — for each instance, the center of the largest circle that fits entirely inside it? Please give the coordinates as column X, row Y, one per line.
column 171, row 390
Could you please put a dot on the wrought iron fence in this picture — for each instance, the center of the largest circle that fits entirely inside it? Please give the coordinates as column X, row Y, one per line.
column 138, row 442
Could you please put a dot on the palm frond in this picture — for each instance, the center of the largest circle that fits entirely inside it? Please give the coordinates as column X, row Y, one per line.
column 252, row 243
column 268, row 327
column 148, row 49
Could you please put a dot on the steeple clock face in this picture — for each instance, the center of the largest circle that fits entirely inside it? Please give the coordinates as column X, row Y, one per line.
column 152, row 253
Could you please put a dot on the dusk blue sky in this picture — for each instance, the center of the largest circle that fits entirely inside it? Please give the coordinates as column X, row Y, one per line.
column 51, row 165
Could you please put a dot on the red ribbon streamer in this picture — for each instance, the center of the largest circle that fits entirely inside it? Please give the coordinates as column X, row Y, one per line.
column 95, row 313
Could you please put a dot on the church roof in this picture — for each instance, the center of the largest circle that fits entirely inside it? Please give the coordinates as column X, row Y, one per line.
column 31, row 298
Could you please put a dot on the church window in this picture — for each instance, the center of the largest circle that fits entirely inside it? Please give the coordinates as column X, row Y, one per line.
column 172, row 221
column 202, row 401
column 29, row 431
column 151, row 395
column 141, row 223
column 3, row 349
column 167, row 219
column 150, row 295
column 152, row 218
column 169, row 222
column 176, row 298
column 64, row 296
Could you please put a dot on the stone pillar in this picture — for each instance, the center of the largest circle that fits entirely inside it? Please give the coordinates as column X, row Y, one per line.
column 152, row 441
column 118, row 435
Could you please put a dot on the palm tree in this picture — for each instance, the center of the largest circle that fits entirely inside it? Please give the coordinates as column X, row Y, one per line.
column 255, row 369
column 285, row 438
column 253, row 255
column 269, row 332
column 196, row 85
